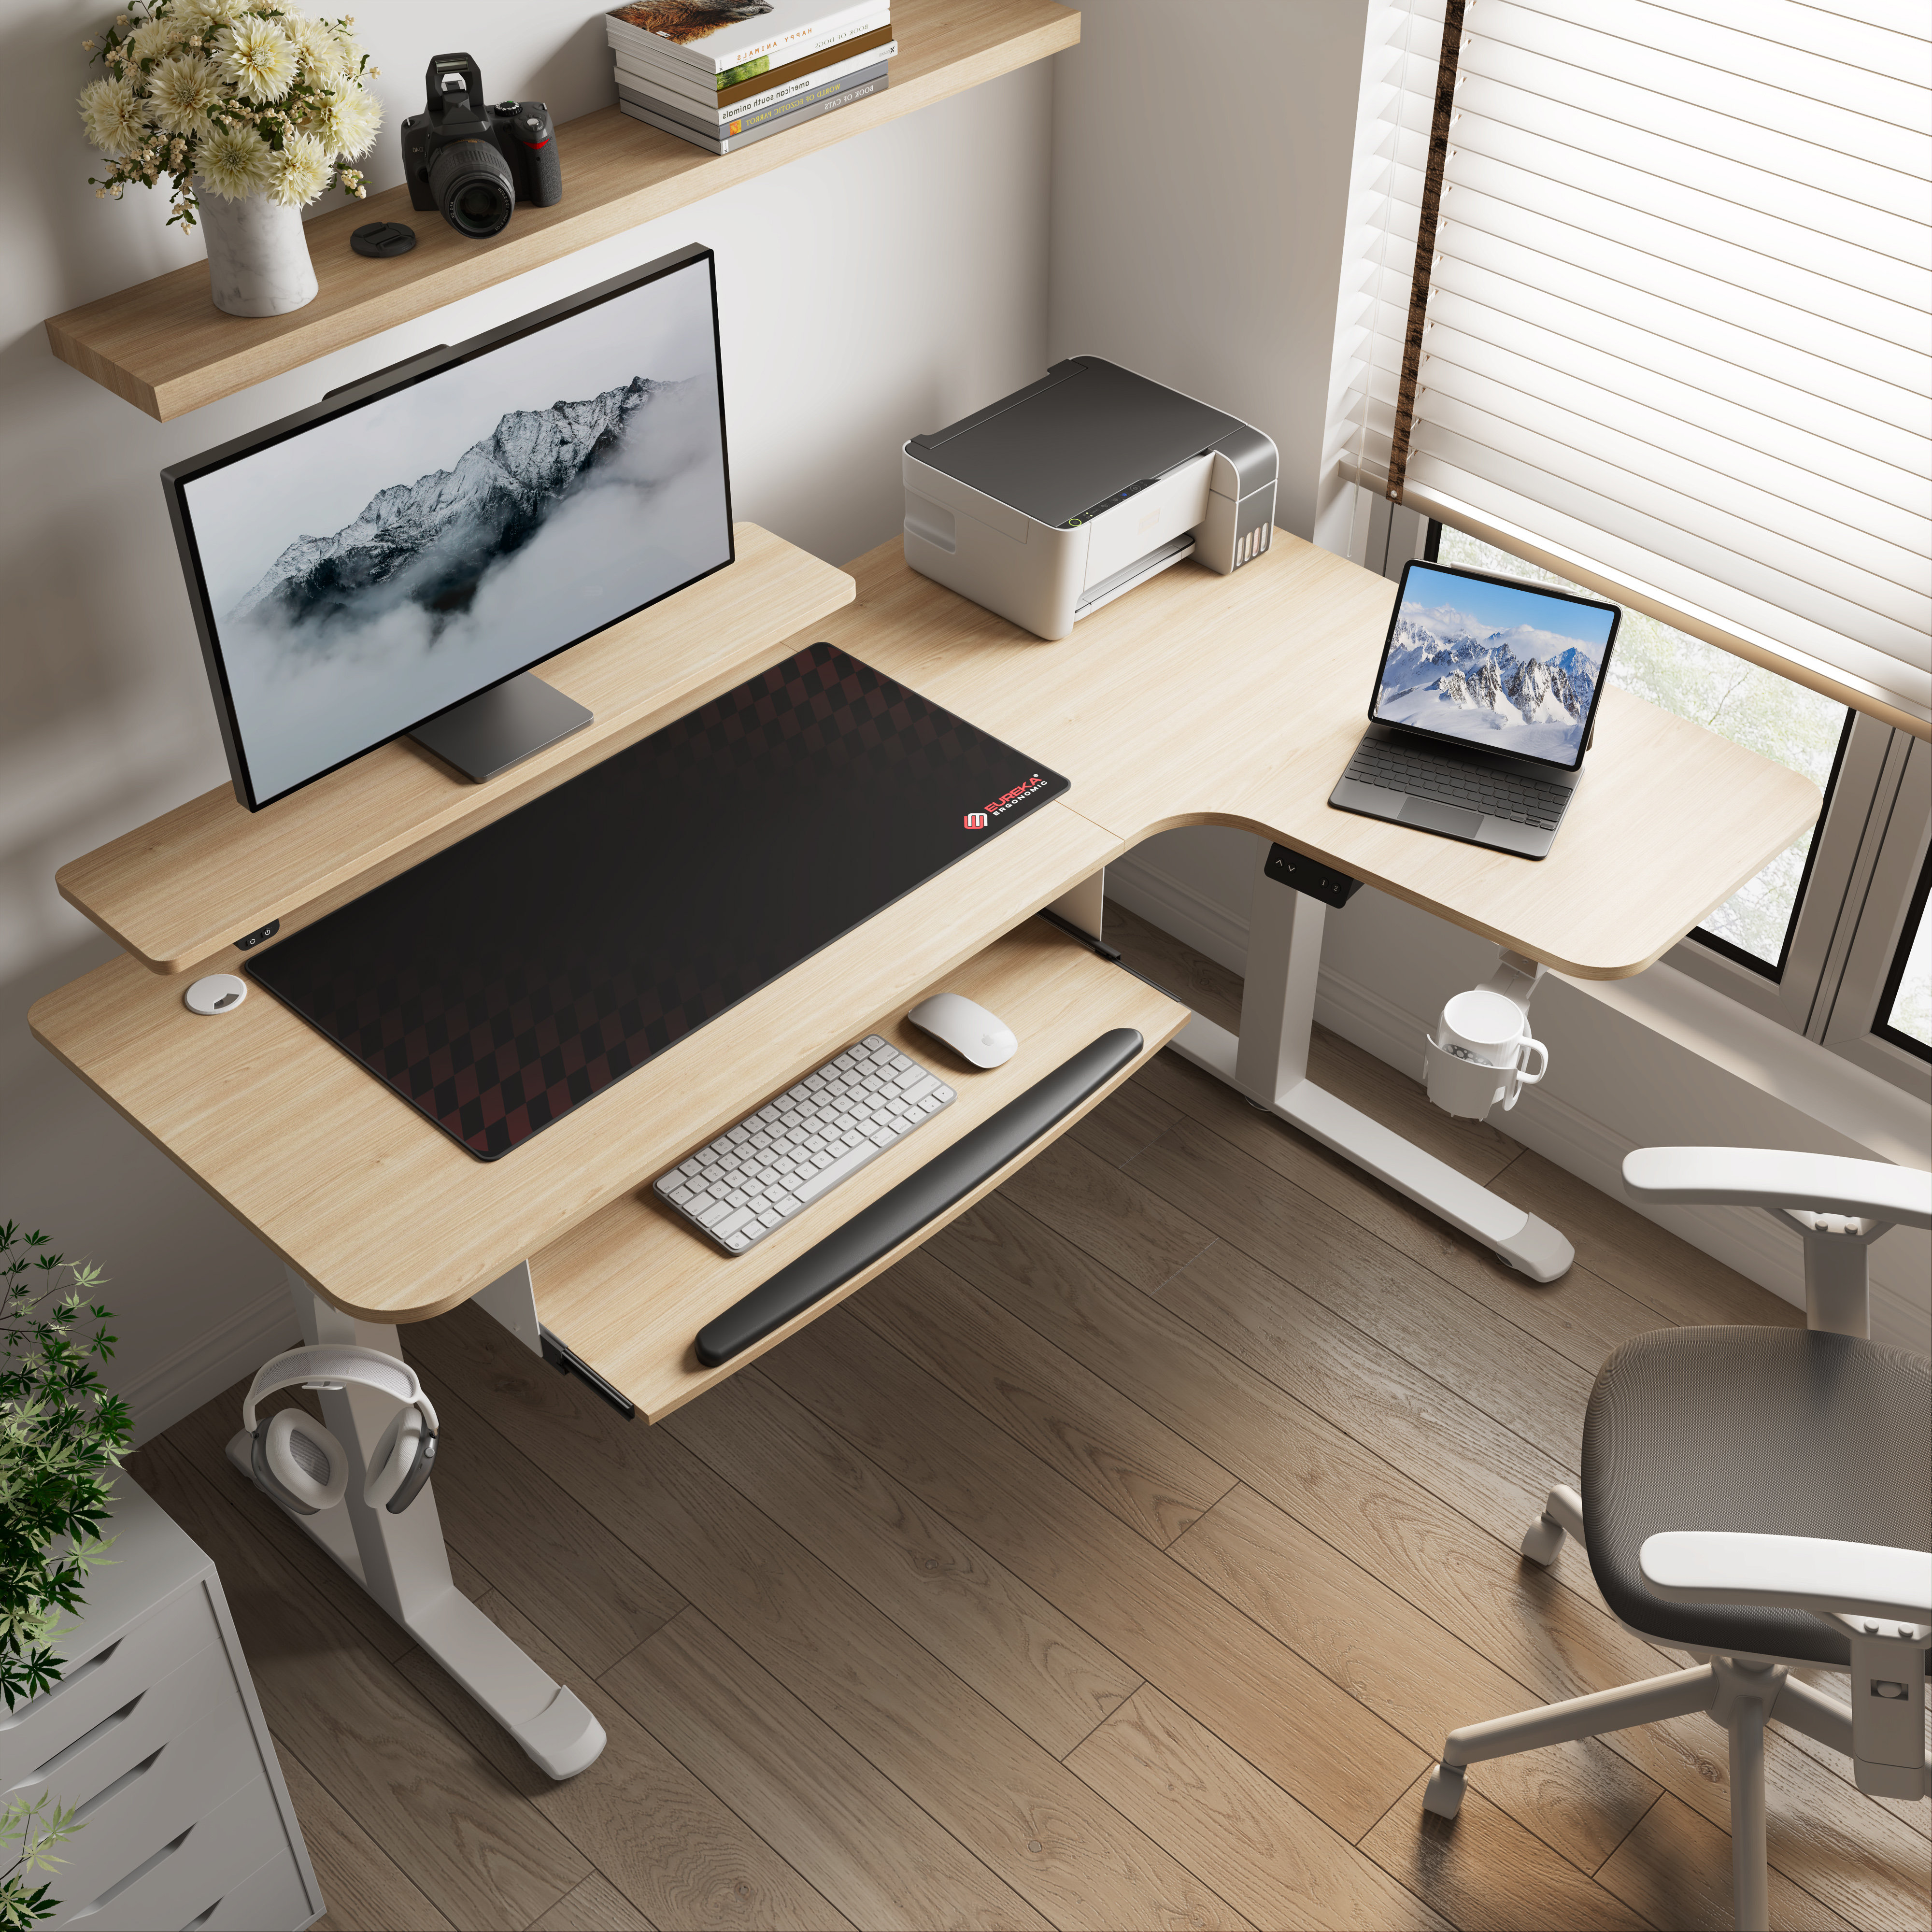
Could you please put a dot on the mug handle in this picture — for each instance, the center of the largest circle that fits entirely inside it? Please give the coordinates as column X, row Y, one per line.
column 1526, row 1079
column 1518, row 1079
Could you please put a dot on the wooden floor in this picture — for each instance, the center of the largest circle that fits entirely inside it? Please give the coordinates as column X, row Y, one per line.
column 1120, row 1560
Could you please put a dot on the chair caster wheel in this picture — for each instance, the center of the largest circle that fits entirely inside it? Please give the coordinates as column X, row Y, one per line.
column 1542, row 1540
column 1443, row 1793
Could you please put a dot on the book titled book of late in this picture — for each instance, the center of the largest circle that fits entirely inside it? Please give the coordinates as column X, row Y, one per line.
column 711, row 37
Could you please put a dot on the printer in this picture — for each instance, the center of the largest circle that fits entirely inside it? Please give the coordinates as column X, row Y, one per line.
column 1070, row 492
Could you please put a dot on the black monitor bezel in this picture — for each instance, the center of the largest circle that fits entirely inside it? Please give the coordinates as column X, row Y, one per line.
column 377, row 387
column 1513, row 583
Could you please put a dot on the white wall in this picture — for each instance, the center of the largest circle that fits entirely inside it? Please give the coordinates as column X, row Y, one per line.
column 884, row 286
column 1200, row 166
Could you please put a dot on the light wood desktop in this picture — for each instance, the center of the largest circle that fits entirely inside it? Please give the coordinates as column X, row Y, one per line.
column 1197, row 699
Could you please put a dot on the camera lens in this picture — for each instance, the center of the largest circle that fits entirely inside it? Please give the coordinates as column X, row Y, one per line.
column 471, row 185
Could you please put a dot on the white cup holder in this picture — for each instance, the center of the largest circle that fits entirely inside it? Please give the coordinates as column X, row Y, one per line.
column 1463, row 1082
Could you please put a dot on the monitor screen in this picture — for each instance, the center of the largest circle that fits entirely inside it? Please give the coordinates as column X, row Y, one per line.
column 1510, row 667
column 364, row 565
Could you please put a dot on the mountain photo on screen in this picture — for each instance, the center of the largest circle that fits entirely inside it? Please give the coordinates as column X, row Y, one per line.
column 375, row 569
column 1507, row 667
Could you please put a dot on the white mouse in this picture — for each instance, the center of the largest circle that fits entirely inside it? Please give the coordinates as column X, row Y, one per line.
column 966, row 1027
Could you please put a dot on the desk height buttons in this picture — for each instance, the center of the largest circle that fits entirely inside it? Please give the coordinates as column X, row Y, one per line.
column 1310, row 876
column 248, row 942
column 215, row 993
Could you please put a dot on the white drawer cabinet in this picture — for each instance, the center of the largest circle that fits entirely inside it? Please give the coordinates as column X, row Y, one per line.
column 156, row 1739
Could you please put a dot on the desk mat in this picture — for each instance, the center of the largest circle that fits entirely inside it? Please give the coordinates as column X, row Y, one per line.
column 519, row 972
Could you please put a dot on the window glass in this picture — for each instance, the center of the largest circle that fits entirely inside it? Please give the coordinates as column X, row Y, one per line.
column 1905, row 1007
column 1740, row 701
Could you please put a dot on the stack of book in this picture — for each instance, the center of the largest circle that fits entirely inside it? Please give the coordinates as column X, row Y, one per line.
column 721, row 75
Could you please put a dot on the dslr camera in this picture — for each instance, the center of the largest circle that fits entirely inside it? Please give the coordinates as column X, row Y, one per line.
column 473, row 162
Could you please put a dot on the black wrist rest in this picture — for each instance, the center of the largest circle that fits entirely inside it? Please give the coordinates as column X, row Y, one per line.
column 875, row 1232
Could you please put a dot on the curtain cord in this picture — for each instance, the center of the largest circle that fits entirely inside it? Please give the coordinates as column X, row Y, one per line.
column 1425, row 244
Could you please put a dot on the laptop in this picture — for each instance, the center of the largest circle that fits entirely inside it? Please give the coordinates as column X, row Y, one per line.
column 1482, row 709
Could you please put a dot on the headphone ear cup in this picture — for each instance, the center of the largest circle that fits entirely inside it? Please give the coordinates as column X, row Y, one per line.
column 298, row 1462
column 395, row 1457
column 404, row 1462
column 417, row 1478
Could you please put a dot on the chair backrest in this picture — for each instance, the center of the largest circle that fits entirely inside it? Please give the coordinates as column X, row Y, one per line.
column 1839, row 1206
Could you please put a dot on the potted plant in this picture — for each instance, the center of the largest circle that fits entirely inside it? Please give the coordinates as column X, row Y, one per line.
column 251, row 109
column 61, row 1434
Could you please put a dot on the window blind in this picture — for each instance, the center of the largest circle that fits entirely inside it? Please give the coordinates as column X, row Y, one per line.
column 1672, row 336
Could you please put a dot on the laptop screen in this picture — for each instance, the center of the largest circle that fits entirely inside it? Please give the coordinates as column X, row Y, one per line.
column 1505, row 666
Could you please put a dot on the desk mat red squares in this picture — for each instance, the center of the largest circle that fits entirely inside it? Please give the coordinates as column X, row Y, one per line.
column 512, row 978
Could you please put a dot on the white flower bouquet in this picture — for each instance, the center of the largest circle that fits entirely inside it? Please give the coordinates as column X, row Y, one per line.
column 249, row 96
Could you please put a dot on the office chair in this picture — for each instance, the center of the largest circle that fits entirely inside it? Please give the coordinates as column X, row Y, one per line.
column 1761, row 1497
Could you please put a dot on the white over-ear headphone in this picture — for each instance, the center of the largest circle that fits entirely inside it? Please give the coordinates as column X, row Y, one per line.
column 301, row 1465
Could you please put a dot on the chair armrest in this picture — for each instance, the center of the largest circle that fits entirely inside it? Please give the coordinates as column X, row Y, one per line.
column 1791, row 1573
column 1829, row 1184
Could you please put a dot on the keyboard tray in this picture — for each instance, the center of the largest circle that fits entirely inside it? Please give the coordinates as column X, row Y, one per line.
column 628, row 1290
column 919, row 1200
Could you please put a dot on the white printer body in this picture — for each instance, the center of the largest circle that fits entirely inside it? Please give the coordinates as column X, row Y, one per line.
column 1067, row 494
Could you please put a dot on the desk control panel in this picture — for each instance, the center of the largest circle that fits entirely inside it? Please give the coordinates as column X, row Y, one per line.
column 777, row 1162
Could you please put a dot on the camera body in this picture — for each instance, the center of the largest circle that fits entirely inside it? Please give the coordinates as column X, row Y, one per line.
column 473, row 162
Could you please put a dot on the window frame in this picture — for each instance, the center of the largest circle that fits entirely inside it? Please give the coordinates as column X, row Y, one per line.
column 1899, row 846
column 1791, row 995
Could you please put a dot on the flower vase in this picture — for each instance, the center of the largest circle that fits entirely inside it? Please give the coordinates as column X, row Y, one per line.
column 258, row 260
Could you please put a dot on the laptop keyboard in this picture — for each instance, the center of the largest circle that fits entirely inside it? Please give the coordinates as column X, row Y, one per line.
column 1452, row 781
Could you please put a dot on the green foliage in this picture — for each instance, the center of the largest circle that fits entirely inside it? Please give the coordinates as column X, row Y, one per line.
column 61, row 1434
column 36, row 1826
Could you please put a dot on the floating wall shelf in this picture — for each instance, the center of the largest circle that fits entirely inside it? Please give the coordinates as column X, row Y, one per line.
column 165, row 347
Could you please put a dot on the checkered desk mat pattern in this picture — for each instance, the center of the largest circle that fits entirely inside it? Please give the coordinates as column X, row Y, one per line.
column 518, row 974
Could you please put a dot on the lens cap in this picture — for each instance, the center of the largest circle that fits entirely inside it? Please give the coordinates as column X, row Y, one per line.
column 382, row 239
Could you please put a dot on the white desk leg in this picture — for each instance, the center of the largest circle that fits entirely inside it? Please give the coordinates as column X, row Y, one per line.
column 401, row 1562
column 1268, row 1062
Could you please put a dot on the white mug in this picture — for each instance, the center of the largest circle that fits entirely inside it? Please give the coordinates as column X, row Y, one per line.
column 1460, row 1084
column 1483, row 1035
column 1487, row 1028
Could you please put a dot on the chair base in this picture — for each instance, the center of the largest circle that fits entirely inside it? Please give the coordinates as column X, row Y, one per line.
column 1742, row 1693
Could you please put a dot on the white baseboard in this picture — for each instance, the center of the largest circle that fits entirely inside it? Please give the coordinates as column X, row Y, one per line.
column 1742, row 1238
column 201, row 1369
column 1190, row 916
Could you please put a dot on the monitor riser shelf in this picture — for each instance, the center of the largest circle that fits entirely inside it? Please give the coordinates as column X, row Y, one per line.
column 180, row 891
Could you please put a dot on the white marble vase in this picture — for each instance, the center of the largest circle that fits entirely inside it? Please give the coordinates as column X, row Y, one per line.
column 258, row 260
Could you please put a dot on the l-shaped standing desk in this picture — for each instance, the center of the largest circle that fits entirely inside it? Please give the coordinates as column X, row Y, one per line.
column 1197, row 699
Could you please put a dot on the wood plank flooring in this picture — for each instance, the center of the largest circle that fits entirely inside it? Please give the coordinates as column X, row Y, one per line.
column 1118, row 1560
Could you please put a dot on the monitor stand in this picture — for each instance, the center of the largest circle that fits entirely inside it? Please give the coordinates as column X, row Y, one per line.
column 503, row 726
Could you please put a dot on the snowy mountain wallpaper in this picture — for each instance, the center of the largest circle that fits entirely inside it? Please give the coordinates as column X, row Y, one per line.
column 1508, row 668
column 368, row 573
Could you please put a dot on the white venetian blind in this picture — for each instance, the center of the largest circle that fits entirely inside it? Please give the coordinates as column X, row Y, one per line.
column 1677, row 340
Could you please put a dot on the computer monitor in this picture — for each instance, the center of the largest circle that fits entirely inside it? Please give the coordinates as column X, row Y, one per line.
column 359, row 569
column 1494, row 662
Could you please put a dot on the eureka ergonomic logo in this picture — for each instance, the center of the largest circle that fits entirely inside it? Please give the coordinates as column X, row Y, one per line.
column 977, row 821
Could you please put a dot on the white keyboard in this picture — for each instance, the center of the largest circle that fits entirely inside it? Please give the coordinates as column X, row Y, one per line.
column 775, row 1164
